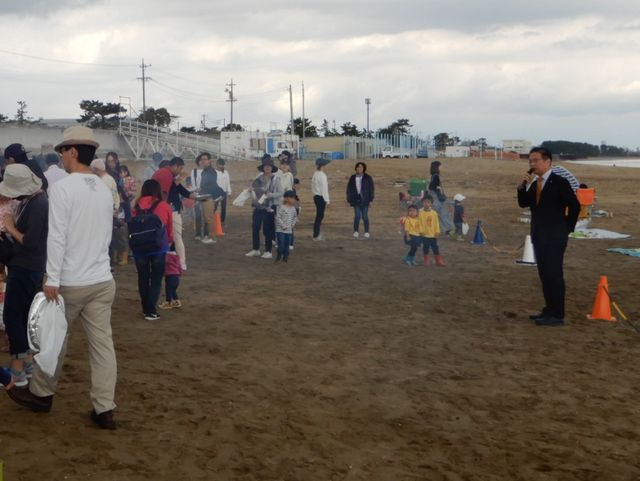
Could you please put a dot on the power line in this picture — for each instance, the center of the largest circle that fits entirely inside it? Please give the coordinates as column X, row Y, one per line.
column 71, row 62
column 186, row 92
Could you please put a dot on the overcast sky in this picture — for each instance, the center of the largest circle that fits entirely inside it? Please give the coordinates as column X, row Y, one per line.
column 499, row 69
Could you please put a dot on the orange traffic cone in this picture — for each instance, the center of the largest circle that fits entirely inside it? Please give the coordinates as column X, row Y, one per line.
column 217, row 224
column 602, row 305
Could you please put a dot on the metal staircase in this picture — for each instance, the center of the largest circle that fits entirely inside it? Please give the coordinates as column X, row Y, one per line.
column 144, row 139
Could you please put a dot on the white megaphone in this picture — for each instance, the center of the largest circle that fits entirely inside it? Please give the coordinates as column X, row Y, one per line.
column 528, row 256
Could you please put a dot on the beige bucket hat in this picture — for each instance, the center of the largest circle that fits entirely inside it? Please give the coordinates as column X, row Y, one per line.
column 77, row 135
column 19, row 180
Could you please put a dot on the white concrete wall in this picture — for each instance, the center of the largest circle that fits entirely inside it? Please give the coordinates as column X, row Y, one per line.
column 40, row 139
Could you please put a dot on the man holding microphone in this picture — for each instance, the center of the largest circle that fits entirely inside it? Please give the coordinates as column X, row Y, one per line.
column 554, row 213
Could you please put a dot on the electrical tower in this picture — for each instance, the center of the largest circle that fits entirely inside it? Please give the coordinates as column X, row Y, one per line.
column 144, row 79
column 231, row 99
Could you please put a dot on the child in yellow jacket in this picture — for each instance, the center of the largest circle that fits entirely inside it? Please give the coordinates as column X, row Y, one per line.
column 412, row 237
column 430, row 230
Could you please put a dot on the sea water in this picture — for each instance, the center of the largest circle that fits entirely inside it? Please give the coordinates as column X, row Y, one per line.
column 619, row 162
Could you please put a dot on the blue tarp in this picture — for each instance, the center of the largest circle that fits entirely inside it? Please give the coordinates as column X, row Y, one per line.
column 627, row 252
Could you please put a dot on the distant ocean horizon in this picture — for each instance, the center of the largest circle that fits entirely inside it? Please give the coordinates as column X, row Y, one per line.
column 617, row 162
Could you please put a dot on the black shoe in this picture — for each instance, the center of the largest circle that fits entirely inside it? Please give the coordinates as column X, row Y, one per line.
column 535, row 317
column 278, row 257
column 27, row 399
column 549, row 321
column 285, row 259
column 103, row 420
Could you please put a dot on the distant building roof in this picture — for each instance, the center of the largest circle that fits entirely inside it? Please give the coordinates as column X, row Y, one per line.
column 64, row 123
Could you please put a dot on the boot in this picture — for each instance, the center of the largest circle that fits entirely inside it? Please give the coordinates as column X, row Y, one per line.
column 440, row 261
column 123, row 258
column 410, row 260
column 425, row 260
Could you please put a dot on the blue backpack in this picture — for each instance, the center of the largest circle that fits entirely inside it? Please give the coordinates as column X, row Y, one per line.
column 147, row 233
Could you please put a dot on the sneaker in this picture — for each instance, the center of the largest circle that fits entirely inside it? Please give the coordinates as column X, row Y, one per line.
column 103, row 420
column 253, row 253
column 197, row 238
column 176, row 304
column 151, row 317
column 28, row 368
column 356, row 235
column 166, row 305
column 290, row 248
column 267, row 255
column 367, row 235
column 208, row 240
column 19, row 378
column 183, row 267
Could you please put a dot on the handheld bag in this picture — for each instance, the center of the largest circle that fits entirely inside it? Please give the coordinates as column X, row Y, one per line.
column 244, row 196
column 46, row 329
column 147, row 233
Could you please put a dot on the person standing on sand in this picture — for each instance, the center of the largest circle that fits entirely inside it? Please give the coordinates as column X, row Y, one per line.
column 80, row 222
column 320, row 191
column 554, row 213
column 360, row 193
column 436, row 191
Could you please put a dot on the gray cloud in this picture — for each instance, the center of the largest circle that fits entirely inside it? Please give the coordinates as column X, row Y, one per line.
column 38, row 8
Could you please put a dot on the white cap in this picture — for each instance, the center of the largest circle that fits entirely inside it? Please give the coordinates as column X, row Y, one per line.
column 459, row 197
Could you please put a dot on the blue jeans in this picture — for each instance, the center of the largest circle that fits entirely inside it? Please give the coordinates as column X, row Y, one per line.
column 361, row 211
column 266, row 220
column 150, row 274
column 22, row 286
column 171, row 284
column 284, row 241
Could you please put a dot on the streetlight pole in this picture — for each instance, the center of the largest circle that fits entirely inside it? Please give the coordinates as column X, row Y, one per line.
column 367, row 102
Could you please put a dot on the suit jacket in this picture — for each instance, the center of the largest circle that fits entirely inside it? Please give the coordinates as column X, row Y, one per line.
column 367, row 190
column 557, row 213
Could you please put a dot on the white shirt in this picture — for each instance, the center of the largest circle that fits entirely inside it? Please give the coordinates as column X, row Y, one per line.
column 54, row 173
column 359, row 183
column 80, row 223
column 286, row 180
column 224, row 182
column 196, row 178
column 320, row 185
column 545, row 176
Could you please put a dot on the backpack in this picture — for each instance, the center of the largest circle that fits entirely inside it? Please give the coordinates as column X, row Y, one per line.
column 147, row 233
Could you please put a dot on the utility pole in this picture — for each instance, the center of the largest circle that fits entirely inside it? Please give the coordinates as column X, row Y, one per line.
column 291, row 107
column 304, row 127
column 144, row 96
column 203, row 122
column 231, row 99
column 367, row 102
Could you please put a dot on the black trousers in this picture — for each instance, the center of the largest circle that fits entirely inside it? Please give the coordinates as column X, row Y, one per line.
column 550, row 257
column 321, row 205
column 223, row 208
column 266, row 220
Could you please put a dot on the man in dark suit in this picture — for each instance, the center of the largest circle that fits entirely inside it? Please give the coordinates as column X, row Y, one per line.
column 554, row 213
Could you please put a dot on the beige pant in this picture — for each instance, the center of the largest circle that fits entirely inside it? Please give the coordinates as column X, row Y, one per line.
column 177, row 238
column 92, row 304
column 209, row 208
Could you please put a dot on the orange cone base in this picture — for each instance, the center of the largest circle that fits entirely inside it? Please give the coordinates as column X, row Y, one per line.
column 591, row 318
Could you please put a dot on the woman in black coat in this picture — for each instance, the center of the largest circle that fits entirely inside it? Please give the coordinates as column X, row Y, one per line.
column 360, row 193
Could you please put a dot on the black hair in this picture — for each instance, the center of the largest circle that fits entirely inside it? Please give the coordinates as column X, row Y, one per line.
column 220, row 161
column 290, row 193
column 164, row 163
column 114, row 155
column 412, row 206
column 51, row 159
column 151, row 188
column 435, row 167
column 176, row 161
column 364, row 166
column 124, row 168
column 86, row 153
column 543, row 151
column 427, row 197
column 201, row 155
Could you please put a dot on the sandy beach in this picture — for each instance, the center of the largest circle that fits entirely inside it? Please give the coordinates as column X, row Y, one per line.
column 345, row 364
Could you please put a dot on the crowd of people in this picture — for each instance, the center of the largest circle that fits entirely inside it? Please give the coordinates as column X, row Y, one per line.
column 63, row 230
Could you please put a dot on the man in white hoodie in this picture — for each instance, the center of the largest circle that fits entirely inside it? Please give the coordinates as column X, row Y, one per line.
column 80, row 222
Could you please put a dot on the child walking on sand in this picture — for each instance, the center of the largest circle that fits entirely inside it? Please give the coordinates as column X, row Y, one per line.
column 286, row 218
column 412, row 237
column 172, row 273
column 430, row 230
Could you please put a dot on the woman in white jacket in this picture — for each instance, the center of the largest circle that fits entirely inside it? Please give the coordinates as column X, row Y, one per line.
column 320, row 191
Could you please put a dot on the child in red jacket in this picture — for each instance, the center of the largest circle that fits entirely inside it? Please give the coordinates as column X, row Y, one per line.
column 172, row 273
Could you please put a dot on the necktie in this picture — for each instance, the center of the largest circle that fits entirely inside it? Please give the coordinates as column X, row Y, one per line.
column 538, row 189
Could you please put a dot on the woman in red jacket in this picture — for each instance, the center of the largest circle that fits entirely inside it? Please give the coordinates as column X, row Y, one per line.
column 150, row 265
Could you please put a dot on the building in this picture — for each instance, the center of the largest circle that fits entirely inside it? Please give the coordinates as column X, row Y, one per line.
column 457, row 151
column 253, row 144
column 518, row 146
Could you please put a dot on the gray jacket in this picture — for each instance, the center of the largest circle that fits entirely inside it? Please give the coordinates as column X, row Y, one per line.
column 261, row 185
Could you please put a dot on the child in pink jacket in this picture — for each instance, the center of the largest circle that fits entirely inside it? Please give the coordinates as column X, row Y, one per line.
column 172, row 273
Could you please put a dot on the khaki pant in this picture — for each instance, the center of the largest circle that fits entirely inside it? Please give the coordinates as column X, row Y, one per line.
column 92, row 304
column 177, row 238
column 209, row 207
